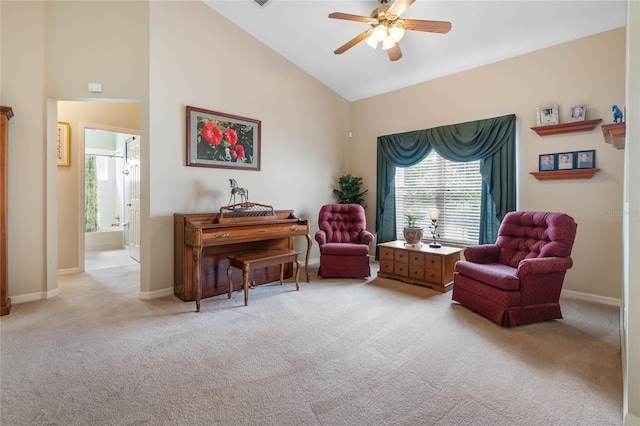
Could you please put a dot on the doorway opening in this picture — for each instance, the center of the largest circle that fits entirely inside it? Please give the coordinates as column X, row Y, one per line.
column 109, row 235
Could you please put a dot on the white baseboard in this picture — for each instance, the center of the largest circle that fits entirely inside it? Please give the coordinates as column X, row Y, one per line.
column 69, row 271
column 32, row 297
column 631, row 420
column 146, row 295
column 577, row 295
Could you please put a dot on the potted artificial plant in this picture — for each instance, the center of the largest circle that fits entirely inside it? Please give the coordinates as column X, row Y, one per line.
column 412, row 232
column 349, row 192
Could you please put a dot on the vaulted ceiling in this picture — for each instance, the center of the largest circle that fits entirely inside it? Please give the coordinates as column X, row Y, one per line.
column 482, row 32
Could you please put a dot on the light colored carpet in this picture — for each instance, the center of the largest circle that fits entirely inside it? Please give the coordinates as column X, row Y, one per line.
column 337, row 352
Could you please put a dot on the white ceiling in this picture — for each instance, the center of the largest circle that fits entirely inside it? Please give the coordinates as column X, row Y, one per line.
column 482, row 32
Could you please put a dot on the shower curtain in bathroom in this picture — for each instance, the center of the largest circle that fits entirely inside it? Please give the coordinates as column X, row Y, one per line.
column 90, row 194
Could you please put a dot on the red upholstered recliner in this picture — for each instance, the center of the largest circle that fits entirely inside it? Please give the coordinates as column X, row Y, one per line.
column 518, row 279
column 344, row 241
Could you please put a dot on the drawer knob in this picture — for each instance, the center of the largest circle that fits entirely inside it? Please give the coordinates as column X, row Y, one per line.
column 225, row 235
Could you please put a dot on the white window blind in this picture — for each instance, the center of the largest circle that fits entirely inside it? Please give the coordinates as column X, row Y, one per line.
column 453, row 188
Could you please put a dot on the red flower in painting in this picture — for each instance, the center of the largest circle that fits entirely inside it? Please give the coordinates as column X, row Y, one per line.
column 231, row 136
column 237, row 152
column 212, row 133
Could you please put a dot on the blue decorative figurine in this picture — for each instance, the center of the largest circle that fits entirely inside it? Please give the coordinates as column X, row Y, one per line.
column 617, row 114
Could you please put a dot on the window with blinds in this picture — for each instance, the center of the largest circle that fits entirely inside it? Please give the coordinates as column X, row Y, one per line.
column 453, row 188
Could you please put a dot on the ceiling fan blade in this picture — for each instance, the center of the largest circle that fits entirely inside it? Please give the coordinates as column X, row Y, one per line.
column 349, row 17
column 348, row 45
column 441, row 27
column 399, row 6
column 394, row 53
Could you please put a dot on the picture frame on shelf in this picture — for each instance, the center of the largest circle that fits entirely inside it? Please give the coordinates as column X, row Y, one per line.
column 566, row 161
column 547, row 115
column 220, row 140
column 586, row 159
column 546, row 162
column 578, row 113
column 63, row 153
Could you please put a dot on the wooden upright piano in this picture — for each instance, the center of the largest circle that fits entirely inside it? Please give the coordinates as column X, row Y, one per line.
column 204, row 240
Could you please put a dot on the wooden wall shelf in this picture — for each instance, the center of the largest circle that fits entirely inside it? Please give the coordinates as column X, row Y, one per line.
column 565, row 174
column 573, row 126
column 614, row 134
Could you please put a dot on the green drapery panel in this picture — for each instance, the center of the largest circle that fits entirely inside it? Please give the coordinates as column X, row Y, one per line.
column 90, row 194
column 492, row 141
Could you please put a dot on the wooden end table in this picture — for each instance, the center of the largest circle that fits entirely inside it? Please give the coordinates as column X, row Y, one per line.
column 422, row 265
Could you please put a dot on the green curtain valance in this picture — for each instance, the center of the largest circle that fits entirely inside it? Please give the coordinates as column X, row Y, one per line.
column 492, row 141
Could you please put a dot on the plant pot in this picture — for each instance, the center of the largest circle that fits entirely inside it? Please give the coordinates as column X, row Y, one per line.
column 413, row 235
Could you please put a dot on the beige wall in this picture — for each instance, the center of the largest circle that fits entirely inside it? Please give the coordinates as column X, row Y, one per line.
column 587, row 71
column 122, row 115
column 303, row 123
column 22, row 88
column 50, row 51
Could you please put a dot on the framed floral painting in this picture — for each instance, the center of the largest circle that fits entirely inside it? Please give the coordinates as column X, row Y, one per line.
column 219, row 140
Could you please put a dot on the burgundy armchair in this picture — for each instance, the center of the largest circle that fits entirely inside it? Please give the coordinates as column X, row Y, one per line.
column 518, row 279
column 344, row 241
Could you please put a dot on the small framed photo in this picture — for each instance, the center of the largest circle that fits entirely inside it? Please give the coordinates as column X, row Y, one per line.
column 578, row 113
column 64, row 144
column 219, row 140
column 566, row 160
column 586, row 159
column 547, row 162
column 546, row 115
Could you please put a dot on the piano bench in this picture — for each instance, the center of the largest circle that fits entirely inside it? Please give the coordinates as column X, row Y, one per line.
column 250, row 261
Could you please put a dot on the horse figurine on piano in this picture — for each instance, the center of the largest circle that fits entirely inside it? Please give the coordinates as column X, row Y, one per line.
column 235, row 190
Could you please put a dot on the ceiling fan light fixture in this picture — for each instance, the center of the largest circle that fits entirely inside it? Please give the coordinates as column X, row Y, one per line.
column 380, row 32
column 388, row 43
column 371, row 41
column 396, row 33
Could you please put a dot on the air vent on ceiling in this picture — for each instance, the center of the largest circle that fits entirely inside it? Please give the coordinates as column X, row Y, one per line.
column 261, row 2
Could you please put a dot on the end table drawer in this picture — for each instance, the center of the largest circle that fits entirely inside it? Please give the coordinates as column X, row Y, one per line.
column 433, row 275
column 401, row 269
column 386, row 266
column 416, row 272
column 416, row 259
column 386, row 254
column 401, row 256
column 433, row 261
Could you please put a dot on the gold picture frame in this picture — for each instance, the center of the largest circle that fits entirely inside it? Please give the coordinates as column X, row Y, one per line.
column 63, row 144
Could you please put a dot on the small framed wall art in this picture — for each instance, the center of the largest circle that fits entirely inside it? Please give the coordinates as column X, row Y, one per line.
column 547, row 115
column 578, row 113
column 219, row 140
column 565, row 160
column 547, row 162
column 63, row 144
column 586, row 159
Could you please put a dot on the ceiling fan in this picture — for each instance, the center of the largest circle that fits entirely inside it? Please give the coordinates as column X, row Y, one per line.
column 388, row 28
